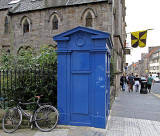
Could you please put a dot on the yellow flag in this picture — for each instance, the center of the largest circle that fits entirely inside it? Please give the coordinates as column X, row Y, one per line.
column 138, row 38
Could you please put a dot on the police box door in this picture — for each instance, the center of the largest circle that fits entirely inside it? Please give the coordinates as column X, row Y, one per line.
column 80, row 93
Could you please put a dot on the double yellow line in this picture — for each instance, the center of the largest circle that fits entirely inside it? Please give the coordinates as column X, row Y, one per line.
column 157, row 95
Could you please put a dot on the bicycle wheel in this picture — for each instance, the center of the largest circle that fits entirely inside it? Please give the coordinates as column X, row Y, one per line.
column 11, row 120
column 46, row 118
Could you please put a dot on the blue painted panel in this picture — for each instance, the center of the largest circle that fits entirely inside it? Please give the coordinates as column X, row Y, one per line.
column 80, row 41
column 62, row 45
column 80, row 93
column 68, row 84
column 99, row 44
column 100, row 85
column 106, row 61
column 80, row 61
column 100, row 90
column 80, row 118
column 107, row 87
column 109, row 59
column 61, row 87
column 80, row 96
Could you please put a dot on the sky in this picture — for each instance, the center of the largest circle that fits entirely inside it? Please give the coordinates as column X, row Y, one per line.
column 142, row 15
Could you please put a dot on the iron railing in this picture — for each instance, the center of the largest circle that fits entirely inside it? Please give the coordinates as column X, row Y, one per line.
column 25, row 84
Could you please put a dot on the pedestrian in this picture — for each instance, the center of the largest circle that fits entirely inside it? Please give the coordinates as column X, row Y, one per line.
column 131, row 82
column 137, row 83
column 127, row 80
column 149, row 83
column 123, row 82
column 127, row 77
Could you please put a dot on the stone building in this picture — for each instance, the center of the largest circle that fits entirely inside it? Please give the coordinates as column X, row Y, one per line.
column 130, row 69
column 154, row 61
column 33, row 23
column 149, row 63
column 144, row 64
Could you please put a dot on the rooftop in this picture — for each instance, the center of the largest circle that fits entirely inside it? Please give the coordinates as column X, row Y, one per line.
column 4, row 4
column 18, row 6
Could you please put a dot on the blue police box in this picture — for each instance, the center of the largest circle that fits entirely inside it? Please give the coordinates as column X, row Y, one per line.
column 83, row 77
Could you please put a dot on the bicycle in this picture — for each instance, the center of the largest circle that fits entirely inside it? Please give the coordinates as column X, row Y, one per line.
column 44, row 117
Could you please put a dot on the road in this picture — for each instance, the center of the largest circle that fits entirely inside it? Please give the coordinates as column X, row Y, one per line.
column 156, row 88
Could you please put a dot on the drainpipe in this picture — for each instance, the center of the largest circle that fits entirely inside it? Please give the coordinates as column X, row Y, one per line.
column 120, row 39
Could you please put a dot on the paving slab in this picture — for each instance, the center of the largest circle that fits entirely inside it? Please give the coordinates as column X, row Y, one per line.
column 134, row 114
column 60, row 131
column 19, row 132
column 136, row 105
column 56, row 132
column 120, row 126
column 87, row 131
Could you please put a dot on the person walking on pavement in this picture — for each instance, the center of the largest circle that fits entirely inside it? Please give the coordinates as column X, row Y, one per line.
column 127, row 78
column 149, row 83
column 131, row 82
column 123, row 82
column 137, row 83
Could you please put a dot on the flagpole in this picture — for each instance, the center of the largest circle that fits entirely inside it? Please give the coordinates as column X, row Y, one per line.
column 151, row 29
column 144, row 30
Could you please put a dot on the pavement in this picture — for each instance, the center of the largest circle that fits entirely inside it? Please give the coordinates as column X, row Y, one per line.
column 135, row 114
column 155, row 88
column 132, row 114
column 60, row 131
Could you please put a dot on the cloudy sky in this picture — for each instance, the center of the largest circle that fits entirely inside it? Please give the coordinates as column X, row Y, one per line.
column 142, row 15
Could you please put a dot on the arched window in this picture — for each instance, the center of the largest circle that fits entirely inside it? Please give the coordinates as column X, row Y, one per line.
column 89, row 20
column 55, row 23
column 26, row 26
column 6, row 26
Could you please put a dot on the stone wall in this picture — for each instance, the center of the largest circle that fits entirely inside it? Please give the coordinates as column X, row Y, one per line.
column 69, row 17
column 119, row 29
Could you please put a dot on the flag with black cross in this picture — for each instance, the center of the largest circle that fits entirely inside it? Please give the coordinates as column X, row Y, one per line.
column 138, row 38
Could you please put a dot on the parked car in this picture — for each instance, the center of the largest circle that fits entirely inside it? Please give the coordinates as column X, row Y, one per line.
column 156, row 78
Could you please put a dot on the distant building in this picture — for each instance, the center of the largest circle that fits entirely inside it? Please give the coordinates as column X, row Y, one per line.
column 144, row 64
column 154, row 61
column 149, row 63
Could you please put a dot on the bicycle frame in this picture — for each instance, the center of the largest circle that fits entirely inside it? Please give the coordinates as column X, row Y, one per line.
column 28, row 115
column 23, row 112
